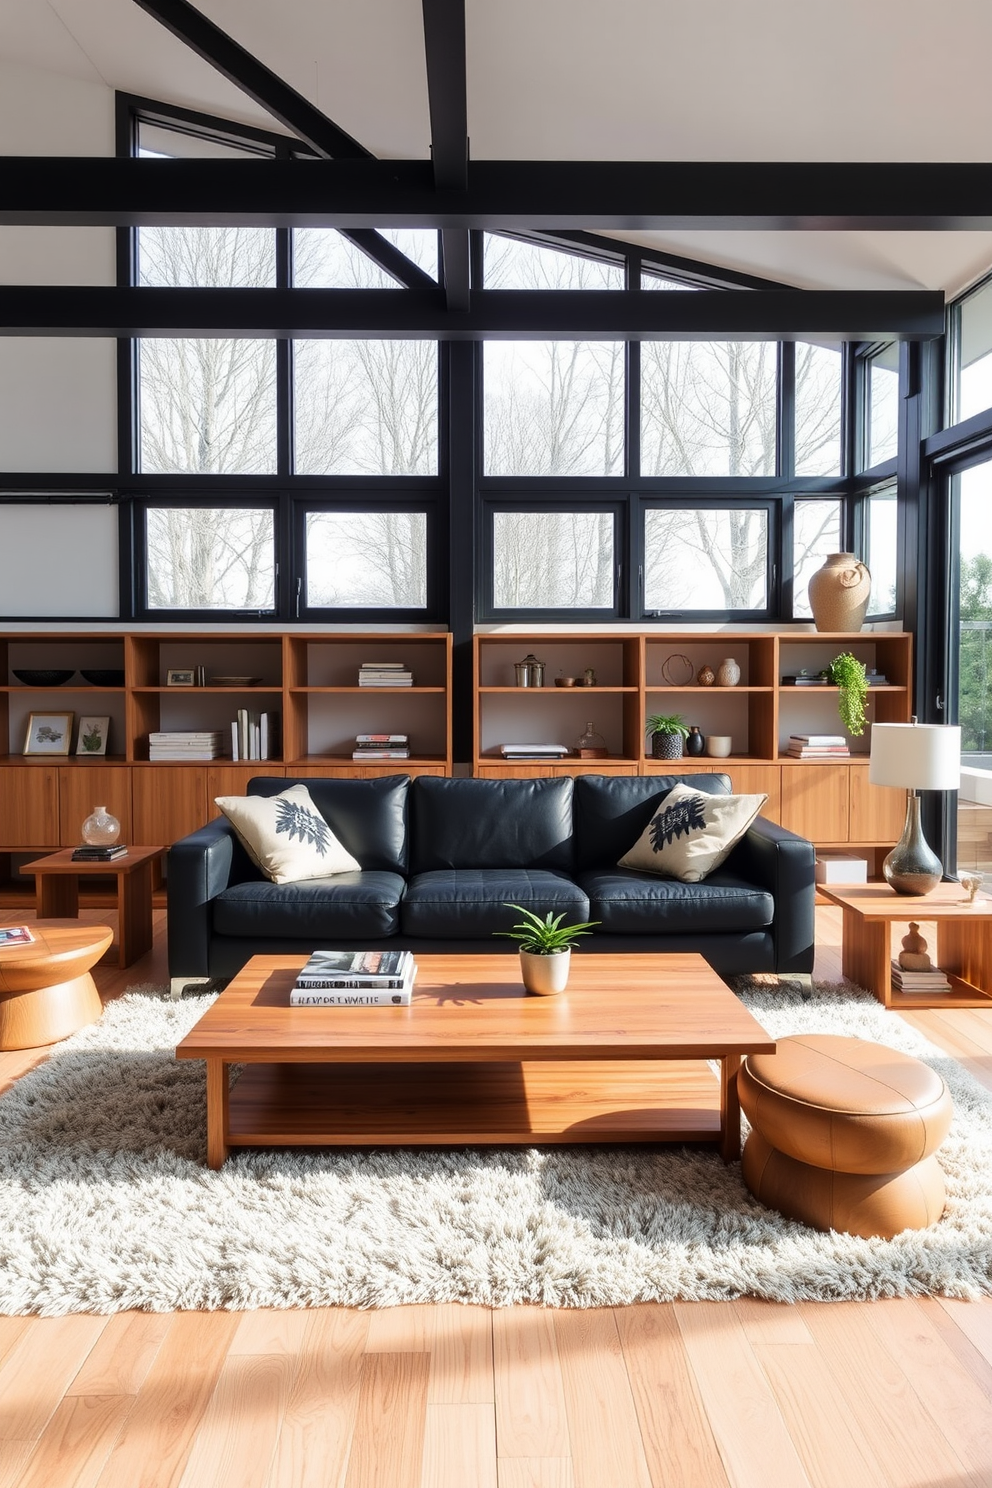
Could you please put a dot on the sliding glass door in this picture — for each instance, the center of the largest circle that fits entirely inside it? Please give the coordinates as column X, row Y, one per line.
column 971, row 700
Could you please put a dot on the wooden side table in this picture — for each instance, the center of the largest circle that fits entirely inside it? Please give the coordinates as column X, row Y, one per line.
column 56, row 893
column 963, row 949
column 46, row 988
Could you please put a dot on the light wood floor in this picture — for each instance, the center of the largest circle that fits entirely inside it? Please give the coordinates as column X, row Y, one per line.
column 698, row 1395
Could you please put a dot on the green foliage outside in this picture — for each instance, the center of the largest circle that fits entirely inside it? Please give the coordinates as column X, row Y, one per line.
column 975, row 658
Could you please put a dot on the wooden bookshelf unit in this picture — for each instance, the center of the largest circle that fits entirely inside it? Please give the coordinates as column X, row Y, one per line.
column 829, row 801
column 311, row 680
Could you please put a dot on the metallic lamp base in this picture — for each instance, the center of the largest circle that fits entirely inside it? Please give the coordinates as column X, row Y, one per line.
column 911, row 867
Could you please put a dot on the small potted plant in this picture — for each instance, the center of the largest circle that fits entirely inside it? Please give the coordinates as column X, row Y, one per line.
column 667, row 731
column 849, row 677
column 545, row 948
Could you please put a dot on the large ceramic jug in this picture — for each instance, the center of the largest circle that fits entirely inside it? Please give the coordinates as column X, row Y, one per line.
column 839, row 593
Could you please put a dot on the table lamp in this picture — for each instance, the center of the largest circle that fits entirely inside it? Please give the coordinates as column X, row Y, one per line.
column 918, row 756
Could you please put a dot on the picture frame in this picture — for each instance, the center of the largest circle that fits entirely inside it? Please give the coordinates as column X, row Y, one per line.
column 180, row 677
column 48, row 733
column 92, row 736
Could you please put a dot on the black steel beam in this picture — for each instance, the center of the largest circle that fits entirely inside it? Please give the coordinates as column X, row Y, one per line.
column 496, row 314
column 447, row 96
column 245, row 71
column 632, row 195
column 290, row 108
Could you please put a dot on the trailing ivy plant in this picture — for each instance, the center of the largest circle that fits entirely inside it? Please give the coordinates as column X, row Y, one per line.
column 848, row 676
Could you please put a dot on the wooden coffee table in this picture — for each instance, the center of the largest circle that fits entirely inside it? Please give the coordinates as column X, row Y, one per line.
column 56, row 892
column 963, row 949
column 46, row 989
column 619, row 1057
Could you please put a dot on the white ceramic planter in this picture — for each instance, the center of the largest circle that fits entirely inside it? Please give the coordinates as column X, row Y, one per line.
column 545, row 975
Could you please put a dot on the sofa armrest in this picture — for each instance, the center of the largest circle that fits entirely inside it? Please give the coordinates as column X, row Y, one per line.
column 199, row 869
column 782, row 863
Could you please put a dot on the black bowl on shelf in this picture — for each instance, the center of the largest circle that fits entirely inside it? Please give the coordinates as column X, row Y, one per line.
column 43, row 676
column 103, row 676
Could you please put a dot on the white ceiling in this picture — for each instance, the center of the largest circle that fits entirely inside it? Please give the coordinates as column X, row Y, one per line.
column 626, row 79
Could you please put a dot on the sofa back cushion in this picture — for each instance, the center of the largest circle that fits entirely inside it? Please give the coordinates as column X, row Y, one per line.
column 463, row 823
column 368, row 817
column 611, row 811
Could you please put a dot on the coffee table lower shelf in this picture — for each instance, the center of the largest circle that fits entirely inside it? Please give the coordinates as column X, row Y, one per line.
column 399, row 1104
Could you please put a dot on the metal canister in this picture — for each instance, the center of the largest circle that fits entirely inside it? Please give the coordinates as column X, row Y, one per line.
column 530, row 672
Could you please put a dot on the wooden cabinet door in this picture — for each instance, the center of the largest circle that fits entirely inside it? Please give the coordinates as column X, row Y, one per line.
column 81, row 787
column 167, row 802
column 29, row 805
column 878, row 812
column 816, row 801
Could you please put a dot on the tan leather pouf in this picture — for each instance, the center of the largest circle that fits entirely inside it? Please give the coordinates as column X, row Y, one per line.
column 843, row 1133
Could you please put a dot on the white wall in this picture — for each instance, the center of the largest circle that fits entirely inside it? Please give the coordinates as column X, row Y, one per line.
column 58, row 560
column 57, row 394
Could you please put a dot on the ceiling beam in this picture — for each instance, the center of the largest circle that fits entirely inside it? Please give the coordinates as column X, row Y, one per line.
column 634, row 195
column 230, row 59
column 298, row 114
column 447, row 96
column 496, row 314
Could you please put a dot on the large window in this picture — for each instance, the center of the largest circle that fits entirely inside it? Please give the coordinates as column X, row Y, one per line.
column 819, row 374
column 706, row 558
column 553, row 560
column 366, row 560
column 210, row 558
column 708, row 408
column 882, row 406
column 817, row 526
column 366, row 407
column 554, row 407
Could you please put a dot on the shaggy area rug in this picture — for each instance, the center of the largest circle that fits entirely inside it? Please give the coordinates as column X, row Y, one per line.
column 105, row 1203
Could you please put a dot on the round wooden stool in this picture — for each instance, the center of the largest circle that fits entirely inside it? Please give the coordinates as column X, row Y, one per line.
column 843, row 1134
column 46, row 989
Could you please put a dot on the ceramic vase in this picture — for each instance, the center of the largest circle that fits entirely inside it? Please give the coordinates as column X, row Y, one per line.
column 728, row 673
column 839, row 593
column 695, row 744
column 545, row 975
column 706, row 676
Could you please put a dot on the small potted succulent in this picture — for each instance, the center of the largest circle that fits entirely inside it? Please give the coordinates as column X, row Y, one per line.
column 545, row 948
column 667, row 731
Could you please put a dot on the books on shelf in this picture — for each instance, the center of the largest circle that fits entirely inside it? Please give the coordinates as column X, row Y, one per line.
column 934, row 980
column 381, row 747
column 818, row 746
column 813, row 753
column 818, row 739
column 11, row 935
column 384, row 674
column 355, row 979
column 186, row 744
column 533, row 751
column 380, row 754
column 255, row 736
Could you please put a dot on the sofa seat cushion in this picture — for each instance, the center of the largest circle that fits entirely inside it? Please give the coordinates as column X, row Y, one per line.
column 627, row 902
column 349, row 906
column 460, row 903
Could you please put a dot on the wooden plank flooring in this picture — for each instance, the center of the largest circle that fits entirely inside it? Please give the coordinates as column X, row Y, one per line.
column 706, row 1395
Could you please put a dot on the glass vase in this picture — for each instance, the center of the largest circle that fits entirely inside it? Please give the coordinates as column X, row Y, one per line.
column 100, row 829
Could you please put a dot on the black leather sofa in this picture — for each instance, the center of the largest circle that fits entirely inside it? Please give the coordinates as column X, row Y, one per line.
column 441, row 858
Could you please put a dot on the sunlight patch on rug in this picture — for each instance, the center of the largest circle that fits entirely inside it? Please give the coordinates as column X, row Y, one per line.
column 105, row 1202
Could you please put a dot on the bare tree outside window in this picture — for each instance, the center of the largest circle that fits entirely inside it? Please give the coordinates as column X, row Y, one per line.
column 323, row 259
column 366, row 407
column 883, row 405
column 366, row 560
column 705, row 558
column 708, row 408
column 208, row 558
column 816, row 531
column 818, row 409
column 553, row 560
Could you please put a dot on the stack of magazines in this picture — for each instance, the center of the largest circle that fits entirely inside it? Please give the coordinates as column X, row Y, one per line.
column 355, row 979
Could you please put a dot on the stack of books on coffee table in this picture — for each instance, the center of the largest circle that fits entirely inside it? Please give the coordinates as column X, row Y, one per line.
column 355, row 979
column 933, row 980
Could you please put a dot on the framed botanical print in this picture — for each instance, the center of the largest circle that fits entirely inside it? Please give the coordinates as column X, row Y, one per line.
column 92, row 736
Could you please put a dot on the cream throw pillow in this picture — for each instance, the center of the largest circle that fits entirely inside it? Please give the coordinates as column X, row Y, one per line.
column 286, row 836
column 691, row 833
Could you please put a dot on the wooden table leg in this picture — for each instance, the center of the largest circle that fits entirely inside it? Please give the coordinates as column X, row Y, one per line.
column 218, row 1088
column 730, row 1109
column 134, row 913
column 865, row 957
column 56, row 896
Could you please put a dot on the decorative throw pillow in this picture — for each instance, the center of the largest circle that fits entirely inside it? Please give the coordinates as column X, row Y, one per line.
column 691, row 833
column 286, row 836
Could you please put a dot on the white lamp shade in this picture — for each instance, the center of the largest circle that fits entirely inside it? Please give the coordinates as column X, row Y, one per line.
column 919, row 756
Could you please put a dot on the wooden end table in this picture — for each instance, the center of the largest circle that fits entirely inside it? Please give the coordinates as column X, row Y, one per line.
column 621, row 1056
column 963, row 949
column 56, row 893
column 46, row 987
